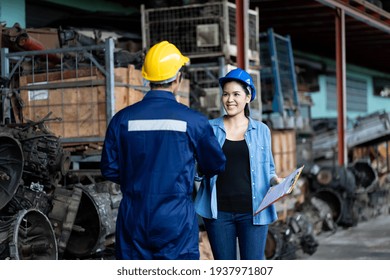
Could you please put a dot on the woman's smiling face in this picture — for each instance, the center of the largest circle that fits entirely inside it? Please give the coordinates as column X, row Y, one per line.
column 234, row 98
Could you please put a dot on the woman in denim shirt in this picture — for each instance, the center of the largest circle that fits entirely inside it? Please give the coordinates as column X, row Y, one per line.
column 227, row 201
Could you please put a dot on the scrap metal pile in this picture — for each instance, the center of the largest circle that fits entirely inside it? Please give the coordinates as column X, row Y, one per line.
column 49, row 210
column 44, row 214
column 337, row 196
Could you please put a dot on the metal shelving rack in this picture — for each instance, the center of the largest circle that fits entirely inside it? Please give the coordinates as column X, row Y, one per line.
column 278, row 79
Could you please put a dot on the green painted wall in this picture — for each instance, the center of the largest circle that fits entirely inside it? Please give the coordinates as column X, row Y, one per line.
column 95, row 6
column 374, row 103
column 12, row 11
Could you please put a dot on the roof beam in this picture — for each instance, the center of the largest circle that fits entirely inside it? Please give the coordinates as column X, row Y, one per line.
column 366, row 15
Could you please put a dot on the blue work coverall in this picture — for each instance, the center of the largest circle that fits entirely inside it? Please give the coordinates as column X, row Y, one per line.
column 151, row 149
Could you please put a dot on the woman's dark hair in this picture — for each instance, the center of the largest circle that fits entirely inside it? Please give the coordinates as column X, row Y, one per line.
column 244, row 87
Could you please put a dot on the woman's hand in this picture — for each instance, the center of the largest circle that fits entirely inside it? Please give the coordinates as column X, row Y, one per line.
column 276, row 180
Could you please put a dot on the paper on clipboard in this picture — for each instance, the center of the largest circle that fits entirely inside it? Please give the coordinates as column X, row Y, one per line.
column 278, row 191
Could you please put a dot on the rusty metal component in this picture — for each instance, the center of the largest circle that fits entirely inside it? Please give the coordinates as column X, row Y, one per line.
column 366, row 176
column 11, row 167
column 94, row 227
column 65, row 205
column 303, row 232
column 335, row 177
column 274, row 243
column 30, row 236
column 372, row 198
column 28, row 197
column 333, row 199
column 320, row 213
column 33, row 164
column 286, row 238
column 337, row 187
column 45, row 160
column 367, row 130
column 324, row 177
column 16, row 38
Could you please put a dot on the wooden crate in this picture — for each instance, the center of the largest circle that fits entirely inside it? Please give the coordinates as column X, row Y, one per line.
column 125, row 96
column 82, row 109
column 284, row 151
column 183, row 94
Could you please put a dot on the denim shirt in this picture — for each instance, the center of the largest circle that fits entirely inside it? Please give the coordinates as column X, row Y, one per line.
column 258, row 139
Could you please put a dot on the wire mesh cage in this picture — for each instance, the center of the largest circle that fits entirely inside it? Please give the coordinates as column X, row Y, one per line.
column 207, row 76
column 200, row 30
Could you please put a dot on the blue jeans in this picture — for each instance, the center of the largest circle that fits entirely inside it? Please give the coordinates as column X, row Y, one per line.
column 222, row 233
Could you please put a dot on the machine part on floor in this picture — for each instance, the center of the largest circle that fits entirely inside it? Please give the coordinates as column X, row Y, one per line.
column 303, row 233
column 274, row 243
column 342, row 205
column 94, row 227
column 27, row 197
column 320, row 214
column 5, row 101
column 336, row 185
column 339, row 178
column 45, row 160
column 365, row 175
column 65, row 203
column 288, row 242
column 11, row 167
column 5, row 225
column 333, row 199
column 31, row 237
column 285, row 238
column 309, row 244
column 324, row 177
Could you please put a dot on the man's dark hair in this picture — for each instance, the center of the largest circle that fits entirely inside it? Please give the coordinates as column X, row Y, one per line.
column 157, row 85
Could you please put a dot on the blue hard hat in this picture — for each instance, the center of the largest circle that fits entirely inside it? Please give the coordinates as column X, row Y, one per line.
column 240, row 75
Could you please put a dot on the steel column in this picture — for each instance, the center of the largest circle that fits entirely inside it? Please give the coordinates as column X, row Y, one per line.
column 341, row 85
column 110, row 79
column 240, row 31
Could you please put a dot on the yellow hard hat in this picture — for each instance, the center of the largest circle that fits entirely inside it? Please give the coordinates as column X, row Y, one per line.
column 162, row 62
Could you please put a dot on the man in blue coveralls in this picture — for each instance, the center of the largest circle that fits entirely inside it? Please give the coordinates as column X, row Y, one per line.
column 151, row 149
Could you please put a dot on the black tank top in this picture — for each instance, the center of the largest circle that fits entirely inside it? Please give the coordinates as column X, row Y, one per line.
column 234, row 193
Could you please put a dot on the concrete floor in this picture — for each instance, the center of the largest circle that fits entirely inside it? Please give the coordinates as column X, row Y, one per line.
column 369, row 240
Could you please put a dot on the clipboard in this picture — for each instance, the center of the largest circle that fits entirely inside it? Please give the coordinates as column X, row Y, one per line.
column 280, row 190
